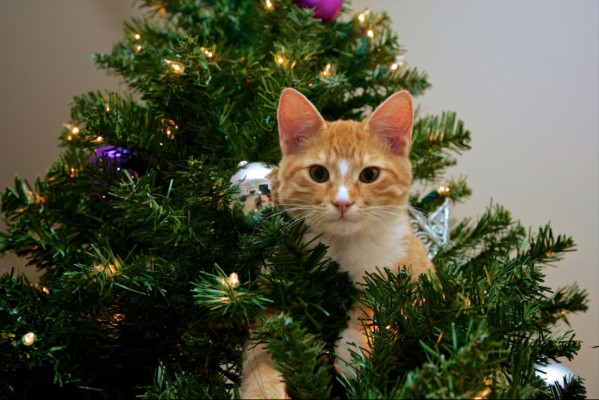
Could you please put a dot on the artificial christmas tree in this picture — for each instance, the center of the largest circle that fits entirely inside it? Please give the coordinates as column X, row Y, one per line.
column 151, row 277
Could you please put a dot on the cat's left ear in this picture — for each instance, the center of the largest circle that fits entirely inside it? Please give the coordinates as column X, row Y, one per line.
column 392, row 121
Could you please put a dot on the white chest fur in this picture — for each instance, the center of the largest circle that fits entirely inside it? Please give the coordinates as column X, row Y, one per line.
column 366, row 250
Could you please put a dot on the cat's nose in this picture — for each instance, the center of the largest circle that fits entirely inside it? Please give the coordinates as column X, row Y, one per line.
column 342, row 205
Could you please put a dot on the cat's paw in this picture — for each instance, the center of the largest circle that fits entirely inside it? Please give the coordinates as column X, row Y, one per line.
column 352, row 339
column 344, row 369
column 260, row 380
column 263, row 390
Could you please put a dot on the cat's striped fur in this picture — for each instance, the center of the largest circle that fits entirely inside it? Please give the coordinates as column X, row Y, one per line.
column 350, row 181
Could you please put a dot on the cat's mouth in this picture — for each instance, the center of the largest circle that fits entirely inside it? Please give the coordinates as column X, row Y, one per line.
column 343, row 220
column 343, row 225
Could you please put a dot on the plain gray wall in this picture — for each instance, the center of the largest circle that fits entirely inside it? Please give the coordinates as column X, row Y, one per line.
column 523, row 75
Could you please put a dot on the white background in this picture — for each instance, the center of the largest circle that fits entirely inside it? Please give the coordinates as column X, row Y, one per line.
column 522, row 74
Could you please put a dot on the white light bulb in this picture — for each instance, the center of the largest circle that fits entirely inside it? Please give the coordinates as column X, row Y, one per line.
column 28, row 339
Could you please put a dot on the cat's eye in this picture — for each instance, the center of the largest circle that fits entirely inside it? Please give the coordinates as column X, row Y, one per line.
column 369, row 174
column 319, row 173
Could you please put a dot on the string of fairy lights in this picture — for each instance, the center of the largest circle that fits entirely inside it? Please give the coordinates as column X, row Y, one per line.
column 366, row 23
column 75, row 130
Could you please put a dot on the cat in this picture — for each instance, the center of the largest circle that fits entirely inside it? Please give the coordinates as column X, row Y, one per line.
column 350, row 182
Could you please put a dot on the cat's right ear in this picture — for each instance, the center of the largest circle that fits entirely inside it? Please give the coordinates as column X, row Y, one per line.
column 298, row 119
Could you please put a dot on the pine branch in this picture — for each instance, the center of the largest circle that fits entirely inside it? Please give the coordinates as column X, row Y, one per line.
column 435, row 138
column 300, row 280
column 299, row 356
column 572, row 388
column 221, row 295
column 138, row 295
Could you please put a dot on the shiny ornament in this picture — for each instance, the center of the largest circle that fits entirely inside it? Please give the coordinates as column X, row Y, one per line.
column 118, row 158
column 326, row 10
column 553, row 373
column 107, row 156
column 432, row 229
column 254, row 181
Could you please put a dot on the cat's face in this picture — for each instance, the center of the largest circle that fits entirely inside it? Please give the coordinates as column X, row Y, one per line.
column 344, row 177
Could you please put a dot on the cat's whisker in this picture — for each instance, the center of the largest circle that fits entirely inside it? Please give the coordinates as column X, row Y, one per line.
column 358, row 236
column 417, row 209
column 383, row 220
column 305, row 215
column 385, row 211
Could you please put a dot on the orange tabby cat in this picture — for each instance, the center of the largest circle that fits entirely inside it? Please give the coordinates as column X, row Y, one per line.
column 350, row 181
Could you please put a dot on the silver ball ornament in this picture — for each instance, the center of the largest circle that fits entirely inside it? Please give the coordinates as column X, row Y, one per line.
column 254, row 182
column 554, row 372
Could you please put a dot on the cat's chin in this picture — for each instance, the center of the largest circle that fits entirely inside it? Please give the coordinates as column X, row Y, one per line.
column 341, row 227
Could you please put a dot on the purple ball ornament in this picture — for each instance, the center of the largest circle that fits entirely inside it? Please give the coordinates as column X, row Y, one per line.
column 326, row 10
column 107, row 156
column 115, row 157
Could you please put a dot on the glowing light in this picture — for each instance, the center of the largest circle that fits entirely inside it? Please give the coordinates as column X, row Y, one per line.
column 370, row 32
column 268, row 4
column 233, row 280
column 326, row 72
column 45, row 289
column 399, row 61
column 174, row 66
column 170, row 128
column 74, row 128
column 280, row 59
column 137, row 36
column 118, row 317
column 138, row 48
column 177, row 68
column 362, row 17
column 110, row 270
column 483, row 393
column 99, row 139
column 207, row 53
column 28, row 339
column 443, row 191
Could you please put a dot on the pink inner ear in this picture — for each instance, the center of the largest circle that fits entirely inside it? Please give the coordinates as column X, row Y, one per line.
column 392, row 122
column 298, row 119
